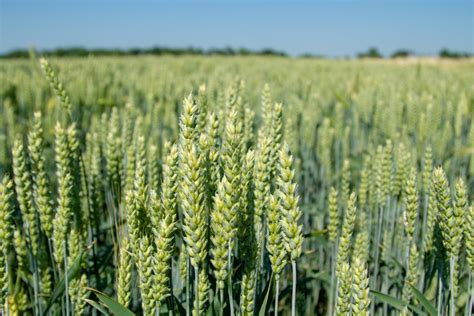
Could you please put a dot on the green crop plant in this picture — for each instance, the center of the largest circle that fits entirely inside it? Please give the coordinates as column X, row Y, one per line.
column 236, row 186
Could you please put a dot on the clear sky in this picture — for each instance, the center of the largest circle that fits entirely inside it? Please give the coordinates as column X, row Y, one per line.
column 333, row 28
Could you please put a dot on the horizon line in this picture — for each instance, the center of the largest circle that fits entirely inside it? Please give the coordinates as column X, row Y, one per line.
column 215, row 50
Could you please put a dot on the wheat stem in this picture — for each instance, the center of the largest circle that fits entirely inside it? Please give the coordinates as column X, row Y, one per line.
column 333, row 281
column 188, row 292
column 229, row 281
column 66, row 281
column 277, row 292
column 196, row 288
column 451, row 286
column 470, row 289
column 293, row 292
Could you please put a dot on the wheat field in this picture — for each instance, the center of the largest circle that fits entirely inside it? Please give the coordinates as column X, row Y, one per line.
column 236, row 186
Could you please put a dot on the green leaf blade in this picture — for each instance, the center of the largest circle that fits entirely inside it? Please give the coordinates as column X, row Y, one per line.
column 424, row 301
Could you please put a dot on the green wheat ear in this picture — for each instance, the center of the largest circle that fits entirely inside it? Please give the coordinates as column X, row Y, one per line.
column 266, row 107
column 345, row 182
column 246, row 223
column 383, row 172
column 145, row 262
column 411, row 202
column 6, row 234
column 288, row 205
column 219, row 237
column 460, row 203
column 343, row 303
column 6, row 212
column 361, row 243
column 290, row 214
column 203, row 293
column 247, row 299
column 63, row 219
column 19, row 243
column 247, row 239
column 124, row 274
column 113, row 153
column 402, row 172
column 360, row 288
column 39, row 177
column 192, row 198
column 333, row 226
column 459, row 209
column 345, row 239
column 57, row 86
column 231, row 182
column 430, row 221
column 23, row 187
column 214, row 151
column 427, row 169
column 275, row 245
column 262, row 186
column 80, row 294
column 164, row 228
column 411, row 278
column 449, row 218
column 469, row 235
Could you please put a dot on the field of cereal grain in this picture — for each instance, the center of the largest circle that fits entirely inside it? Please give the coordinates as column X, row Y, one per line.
column 236, row 186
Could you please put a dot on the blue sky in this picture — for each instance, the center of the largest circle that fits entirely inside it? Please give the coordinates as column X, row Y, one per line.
column 334, row 28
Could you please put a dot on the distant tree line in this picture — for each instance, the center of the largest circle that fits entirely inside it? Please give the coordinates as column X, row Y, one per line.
column 84, row 52
column 451, row 54
column 372, row 52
